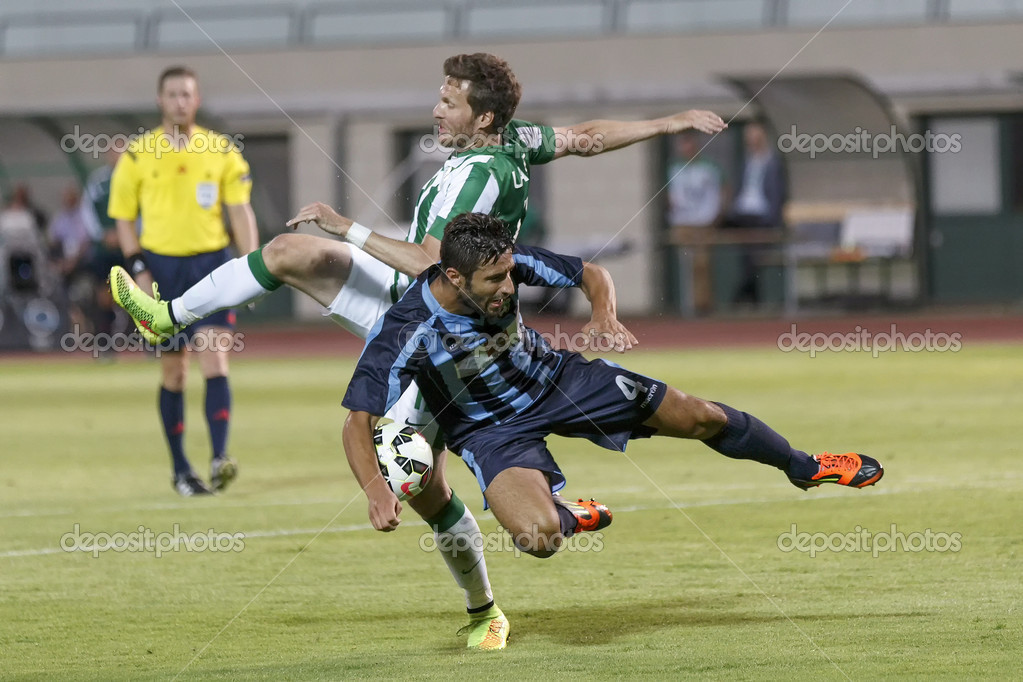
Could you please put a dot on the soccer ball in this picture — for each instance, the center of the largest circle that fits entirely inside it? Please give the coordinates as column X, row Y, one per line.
column 405, row 458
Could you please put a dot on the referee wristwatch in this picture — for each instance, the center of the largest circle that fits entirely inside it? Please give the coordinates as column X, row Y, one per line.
column 136, row 264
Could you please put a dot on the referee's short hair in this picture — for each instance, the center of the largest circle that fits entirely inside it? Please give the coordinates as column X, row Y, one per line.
column 472, row 240
column 175, row 72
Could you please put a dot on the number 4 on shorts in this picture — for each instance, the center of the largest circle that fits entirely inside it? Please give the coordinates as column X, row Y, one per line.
column 628, row 387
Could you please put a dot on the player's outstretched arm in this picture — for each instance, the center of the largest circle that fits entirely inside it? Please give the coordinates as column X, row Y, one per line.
column 357, row 436
column 604, row 331
column 403, row 256
column 595, row 137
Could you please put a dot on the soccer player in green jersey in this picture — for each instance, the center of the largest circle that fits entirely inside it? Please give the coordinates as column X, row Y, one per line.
column 359, row 279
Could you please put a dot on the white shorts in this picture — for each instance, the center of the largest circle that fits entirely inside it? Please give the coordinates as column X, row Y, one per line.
column 411, row 410
column 362, row 301
column 366, row 295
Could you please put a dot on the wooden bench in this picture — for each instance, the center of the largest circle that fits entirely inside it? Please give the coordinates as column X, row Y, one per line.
column 820, row 236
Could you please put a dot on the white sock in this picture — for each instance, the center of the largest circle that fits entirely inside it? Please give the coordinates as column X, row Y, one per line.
column 232, row 284
column 461, row 544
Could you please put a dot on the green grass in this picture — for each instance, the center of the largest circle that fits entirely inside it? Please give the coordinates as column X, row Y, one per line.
column 689, row 583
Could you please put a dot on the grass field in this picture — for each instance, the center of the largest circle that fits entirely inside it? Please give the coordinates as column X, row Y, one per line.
column 689, row 581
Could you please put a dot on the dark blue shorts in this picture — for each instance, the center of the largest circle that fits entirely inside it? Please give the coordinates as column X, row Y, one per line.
column 176, row 274
column 597, row 400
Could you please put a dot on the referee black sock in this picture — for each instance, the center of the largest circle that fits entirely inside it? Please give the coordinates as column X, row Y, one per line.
column 172, row 414
column 218, row 414
column 746, row 437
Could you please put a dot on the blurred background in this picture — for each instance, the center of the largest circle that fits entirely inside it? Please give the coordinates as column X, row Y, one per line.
column 897, row 128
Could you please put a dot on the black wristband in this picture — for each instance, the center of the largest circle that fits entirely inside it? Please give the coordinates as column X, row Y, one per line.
column 136, row 264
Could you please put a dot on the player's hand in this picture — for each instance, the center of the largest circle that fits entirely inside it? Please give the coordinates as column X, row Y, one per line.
column 326, row 218
column 384, row 510
column 606, row 334
column 704, row 121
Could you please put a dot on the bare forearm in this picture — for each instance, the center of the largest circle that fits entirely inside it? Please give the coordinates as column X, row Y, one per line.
column 599, row 289
column 604, row 331
column 243, row 226
column 357, row 438
column 595, row 137
column 127, row 238
column 403, row 256
column 384, row 508
column 598, row 136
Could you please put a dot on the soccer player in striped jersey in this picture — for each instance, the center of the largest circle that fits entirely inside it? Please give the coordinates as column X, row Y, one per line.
column 498, row 390
column 359, row 279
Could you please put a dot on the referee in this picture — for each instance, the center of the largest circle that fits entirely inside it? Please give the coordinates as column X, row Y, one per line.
column 176, row 177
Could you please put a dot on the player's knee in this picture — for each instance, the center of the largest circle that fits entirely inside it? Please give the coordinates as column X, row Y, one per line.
column 174, row 375
column 541, row 538
column 283, row 255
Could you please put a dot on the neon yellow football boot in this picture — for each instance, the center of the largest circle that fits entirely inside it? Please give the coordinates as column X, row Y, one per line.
column 150, row 314
column 488, row 631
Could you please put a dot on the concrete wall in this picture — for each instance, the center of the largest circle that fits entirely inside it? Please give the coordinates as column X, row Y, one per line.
column 909, row 62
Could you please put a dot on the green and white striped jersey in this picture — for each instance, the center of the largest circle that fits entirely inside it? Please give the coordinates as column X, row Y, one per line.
column 492, row 180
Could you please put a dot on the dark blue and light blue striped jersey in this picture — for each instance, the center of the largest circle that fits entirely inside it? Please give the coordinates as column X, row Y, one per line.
column 471, row 371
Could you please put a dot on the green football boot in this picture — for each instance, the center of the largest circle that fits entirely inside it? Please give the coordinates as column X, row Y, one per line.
column 488, row 631
column 151, row 315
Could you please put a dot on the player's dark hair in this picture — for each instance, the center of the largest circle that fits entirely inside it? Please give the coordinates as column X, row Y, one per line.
column 493, row 87
column 472, row 240
column 174, row 72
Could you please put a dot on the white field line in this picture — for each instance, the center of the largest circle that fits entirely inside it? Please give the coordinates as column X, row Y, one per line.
column 935, row 482
column 290, row 532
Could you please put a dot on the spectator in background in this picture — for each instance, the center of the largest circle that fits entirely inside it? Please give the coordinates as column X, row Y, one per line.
column 23, row 198
column 72, row 236
column 758, row 203
column 97, row 190
column 21, row 243
column 17, row 214
column 106, row 252
column 697, row 197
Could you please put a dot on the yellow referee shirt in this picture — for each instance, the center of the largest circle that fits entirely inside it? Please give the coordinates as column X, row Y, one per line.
column 179, row 192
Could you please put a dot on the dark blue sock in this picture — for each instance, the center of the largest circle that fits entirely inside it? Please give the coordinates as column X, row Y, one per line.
column 172, row 413
column 218, row 413
column 746, row 437
column 568, row 521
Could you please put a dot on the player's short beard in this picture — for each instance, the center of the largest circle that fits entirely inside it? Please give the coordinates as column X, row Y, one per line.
column 473, row 301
